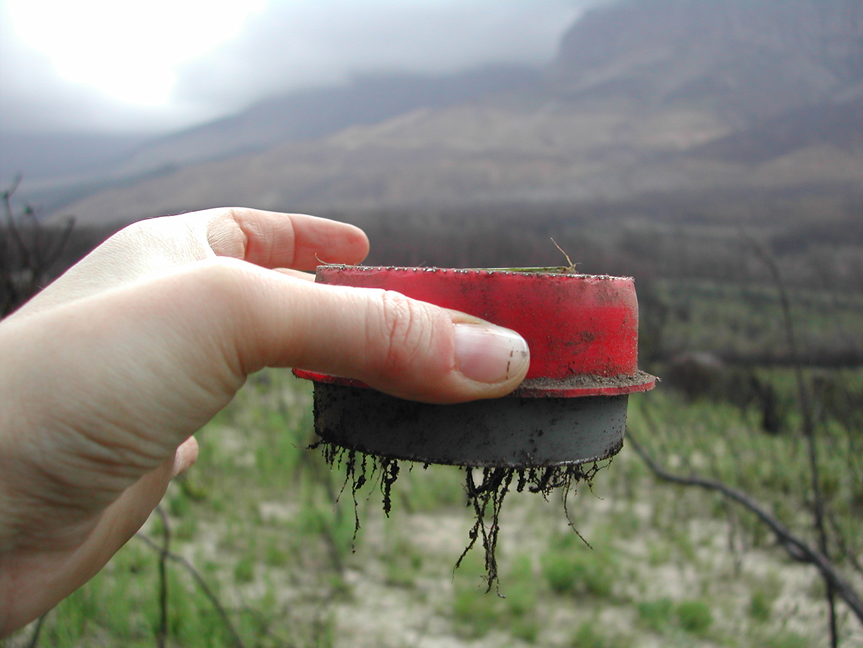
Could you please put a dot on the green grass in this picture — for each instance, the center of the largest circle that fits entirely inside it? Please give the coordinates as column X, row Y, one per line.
column 694, row 616
column 745, row 320
column 522, row 590
column 576, row 571
column 403, row 563
column 475, row 612
column 787, row 639
column 592, row 635
column 656, row 615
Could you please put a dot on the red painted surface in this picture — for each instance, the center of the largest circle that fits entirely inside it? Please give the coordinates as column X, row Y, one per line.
column 582, row 330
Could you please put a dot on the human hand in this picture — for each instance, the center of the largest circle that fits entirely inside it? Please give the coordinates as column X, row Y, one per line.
column 108, row 372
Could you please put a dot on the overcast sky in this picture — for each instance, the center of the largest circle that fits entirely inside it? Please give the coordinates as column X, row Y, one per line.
column 128, row 65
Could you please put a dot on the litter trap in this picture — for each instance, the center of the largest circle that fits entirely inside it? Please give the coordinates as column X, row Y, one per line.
column 568, row 414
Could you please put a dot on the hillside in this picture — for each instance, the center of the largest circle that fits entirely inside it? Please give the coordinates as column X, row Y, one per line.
column 746, row 59
column 316, row 113
column 645, row 96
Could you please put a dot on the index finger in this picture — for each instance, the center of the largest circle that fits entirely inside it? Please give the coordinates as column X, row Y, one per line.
column 276, row 240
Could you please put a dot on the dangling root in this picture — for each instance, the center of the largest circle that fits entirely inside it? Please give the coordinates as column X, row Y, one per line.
column 493, row 488
column 485, row 497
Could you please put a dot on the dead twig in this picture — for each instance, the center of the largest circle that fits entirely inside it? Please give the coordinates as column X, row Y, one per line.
column 28, row 250
column 162, row 632
column 807, row 413
column 34, row 640
column 202, row 584
column 797, row 548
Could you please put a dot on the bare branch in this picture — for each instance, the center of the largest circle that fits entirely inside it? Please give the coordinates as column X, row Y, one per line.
column 28, row 250
column 12, row 225
column 162, row 632
column 806, row 410
column 202, row 584
column 797, row 548
column 34, row 640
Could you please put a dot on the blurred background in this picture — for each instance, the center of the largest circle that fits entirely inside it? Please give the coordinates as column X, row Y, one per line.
column 712, row 150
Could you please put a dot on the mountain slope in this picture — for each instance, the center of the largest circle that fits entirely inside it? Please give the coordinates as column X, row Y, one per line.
column 839, row 125
column 61, row 167
column 313, row 114
column 481, row 152
column 645, row 96
column 745, row 58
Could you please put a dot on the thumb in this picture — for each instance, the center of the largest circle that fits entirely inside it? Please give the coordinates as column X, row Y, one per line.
column 398, row 345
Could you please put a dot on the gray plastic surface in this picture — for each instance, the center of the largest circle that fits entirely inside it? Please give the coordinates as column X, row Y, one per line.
column 511, row 431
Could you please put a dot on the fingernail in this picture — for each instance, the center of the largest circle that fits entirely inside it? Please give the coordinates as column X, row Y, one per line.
column 489, row 354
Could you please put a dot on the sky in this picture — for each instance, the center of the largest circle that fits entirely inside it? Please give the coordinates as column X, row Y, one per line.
column 127, row 66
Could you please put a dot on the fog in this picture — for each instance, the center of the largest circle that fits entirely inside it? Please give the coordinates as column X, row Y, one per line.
column 171, row 70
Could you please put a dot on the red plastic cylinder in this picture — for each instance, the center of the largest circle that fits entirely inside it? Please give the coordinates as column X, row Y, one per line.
column 582, row 330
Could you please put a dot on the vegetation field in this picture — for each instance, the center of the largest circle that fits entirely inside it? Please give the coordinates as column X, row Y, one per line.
column 258, row 544
column 262, row 551
column 744, row 323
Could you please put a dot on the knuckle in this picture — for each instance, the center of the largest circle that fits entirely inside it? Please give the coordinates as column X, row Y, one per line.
column 236, row 213
column 220, row 272
column 222, row 280
column 404, row 330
